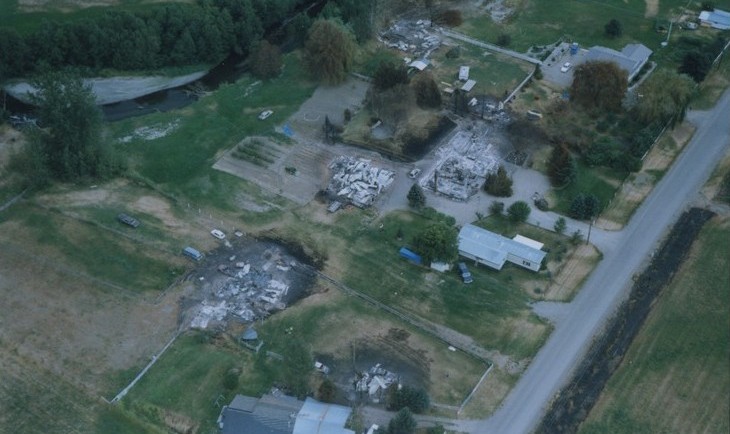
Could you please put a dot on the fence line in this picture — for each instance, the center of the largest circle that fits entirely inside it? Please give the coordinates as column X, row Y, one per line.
column 492, row 47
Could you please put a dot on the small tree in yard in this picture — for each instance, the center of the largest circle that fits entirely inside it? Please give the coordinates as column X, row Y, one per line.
column 504, row 40
column 499, row 184
column 496, row 208
column 416, row 400
column 266, row 60
column 519, row 211
column 560, row 225
column 576, row 237
column 327, row 391
column 613, row 28
column 585, row 206
column 416, row 198
column 436, row 242
column 426, row 90
column 402, row 423
column 389, row 75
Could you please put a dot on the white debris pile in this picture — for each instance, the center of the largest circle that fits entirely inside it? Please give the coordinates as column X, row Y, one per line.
column 151, row 132
column 416, row 37
column 375, row 382
column 464, row 164
column 356, row 181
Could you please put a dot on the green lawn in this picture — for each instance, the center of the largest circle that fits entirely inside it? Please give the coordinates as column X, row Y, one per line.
column 675, row 376
column 589, row 180
column 180, row 163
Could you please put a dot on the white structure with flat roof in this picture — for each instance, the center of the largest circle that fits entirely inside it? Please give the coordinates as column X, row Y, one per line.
column 716, row 19
column 493, row 250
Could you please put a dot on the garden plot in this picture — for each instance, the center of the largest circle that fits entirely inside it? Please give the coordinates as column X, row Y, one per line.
column 245, row 282
column 463, row 165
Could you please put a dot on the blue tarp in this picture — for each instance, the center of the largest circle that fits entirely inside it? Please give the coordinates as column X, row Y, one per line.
column 411, row 256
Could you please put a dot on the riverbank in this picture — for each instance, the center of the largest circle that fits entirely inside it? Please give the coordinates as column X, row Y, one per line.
column 115, row 89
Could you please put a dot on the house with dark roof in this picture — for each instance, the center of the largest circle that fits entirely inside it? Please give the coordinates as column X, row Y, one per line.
column 280, row 414
column 631, row 58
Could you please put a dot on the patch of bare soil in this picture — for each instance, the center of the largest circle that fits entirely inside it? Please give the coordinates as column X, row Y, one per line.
column 572, row 273
column 158, row 208
column 10, row 141
column 652, row 8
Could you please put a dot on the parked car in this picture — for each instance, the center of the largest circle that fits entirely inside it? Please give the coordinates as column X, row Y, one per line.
column 465, row 274
column 414, row 173
column 192, row 253
column 218, row 234
column 566, row 66
column 265, row 114
column 128, row 220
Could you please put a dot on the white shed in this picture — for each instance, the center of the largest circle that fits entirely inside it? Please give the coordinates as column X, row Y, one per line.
column 463, row 73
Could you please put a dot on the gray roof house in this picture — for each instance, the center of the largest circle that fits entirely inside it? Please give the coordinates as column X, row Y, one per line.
column 493, row 250
column 631, row 58
column 717, row 19
column 280, row 414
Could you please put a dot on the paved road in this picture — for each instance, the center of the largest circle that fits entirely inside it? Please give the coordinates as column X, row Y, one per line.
column 610, row 282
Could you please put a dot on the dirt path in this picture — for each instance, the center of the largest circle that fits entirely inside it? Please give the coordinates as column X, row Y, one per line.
column 652, row 8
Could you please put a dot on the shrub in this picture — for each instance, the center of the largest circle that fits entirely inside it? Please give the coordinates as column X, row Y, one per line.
column 499, row 184
column 519, row 211
column 449, row 17
column 496, row 208
column 416, row 198
column 584, row 206
column 560, row 225
column 504, row 40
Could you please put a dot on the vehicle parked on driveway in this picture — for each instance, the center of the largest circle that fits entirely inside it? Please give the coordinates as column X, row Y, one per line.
column 218, row 234
column 128, row 220
column 414, row 173
column 566, row 67
column 465, row 274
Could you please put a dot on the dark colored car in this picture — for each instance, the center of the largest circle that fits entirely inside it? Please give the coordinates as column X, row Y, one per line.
column 465, row 274
column 128, row 220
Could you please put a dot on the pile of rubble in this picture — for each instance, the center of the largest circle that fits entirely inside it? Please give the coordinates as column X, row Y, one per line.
column 250, row 292
column 356, row 181
column 464, row 164
column 416, row 37
column 375, row 382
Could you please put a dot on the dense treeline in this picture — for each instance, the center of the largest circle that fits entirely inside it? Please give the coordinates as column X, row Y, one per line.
column 165, row 35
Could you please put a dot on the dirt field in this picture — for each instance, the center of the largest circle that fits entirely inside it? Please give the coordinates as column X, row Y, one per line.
column 572, row 273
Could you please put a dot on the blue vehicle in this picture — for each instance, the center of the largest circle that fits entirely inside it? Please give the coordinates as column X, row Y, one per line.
column 192, row 254
column 465, row 274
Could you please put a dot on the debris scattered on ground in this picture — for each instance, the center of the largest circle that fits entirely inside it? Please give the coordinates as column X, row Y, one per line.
column 356, row 181
column 464, row 164
column 375, row 382
column 151, row 133
column 416, row 37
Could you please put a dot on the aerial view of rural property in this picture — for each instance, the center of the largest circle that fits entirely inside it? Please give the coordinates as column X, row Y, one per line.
column 364, row 216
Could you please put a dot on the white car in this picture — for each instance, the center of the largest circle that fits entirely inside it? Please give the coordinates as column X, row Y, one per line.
column 414, row 173
column 566, row 66
column 218, row 234
column 265, row 114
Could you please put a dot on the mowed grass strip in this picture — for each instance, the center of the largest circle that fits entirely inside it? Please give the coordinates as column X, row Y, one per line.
column 675, row 376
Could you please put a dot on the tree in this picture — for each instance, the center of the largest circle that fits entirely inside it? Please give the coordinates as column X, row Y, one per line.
column 504, row 39
column 416, row 400
column 330, row 50
column 499, row 184
column 496, row 208
column 613, row 28
column 69, row 145
column 665, row 96
column 326, row 391
column 266, row 60
column 696, row 64
column 599, row 85
column 560, row 225
column 708, row 6
column 449, row 17
column 436, row 242
column 426, row 90
column 402, row 423
column 416, row 198
column 585, row 206
column 562, row 168
column 389, row 75
column 576, row 237
column 519, row 211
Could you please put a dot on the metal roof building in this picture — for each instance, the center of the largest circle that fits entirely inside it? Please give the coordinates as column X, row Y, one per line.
column 631, row 58
column 319, row 418
column 266, row 415
column 717, row 19
column 493, row 250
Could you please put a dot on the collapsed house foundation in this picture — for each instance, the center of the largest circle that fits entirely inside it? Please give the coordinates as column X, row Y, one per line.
column 356, row 181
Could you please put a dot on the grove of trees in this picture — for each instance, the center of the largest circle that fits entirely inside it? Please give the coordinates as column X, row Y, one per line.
column 330, row 51
column 599, row 86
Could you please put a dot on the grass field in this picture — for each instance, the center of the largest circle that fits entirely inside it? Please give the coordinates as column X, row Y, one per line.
column 674, row 377
column 180, row 163
column 598, row 181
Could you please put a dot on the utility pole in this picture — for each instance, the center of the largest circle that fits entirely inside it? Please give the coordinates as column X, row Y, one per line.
column 590, row 226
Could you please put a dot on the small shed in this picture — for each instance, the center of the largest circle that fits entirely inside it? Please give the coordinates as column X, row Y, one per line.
column 463, row 73
column 418, row 64
column 410, row 255
column 440, row 266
